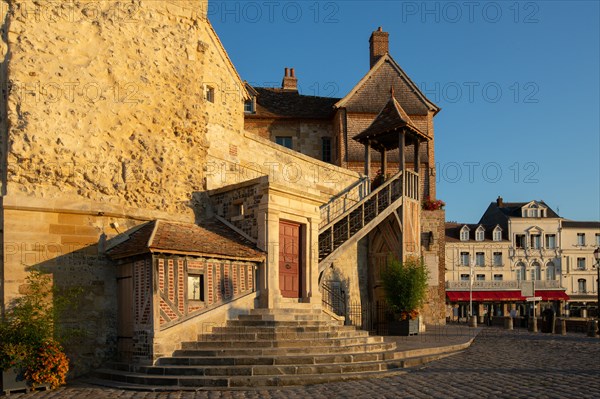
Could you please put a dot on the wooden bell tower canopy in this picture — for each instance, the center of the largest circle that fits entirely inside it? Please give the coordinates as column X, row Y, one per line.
column 388, row 132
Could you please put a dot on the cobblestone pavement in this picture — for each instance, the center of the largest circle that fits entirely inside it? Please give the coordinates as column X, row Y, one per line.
column 499, row 364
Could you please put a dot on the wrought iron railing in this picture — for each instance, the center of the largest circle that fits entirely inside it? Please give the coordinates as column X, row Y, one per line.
column 334, row 299
column 491, row 285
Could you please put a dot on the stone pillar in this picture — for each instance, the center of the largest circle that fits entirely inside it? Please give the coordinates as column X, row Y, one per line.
column 273, row 293
column 313, row 295
column 368, row 159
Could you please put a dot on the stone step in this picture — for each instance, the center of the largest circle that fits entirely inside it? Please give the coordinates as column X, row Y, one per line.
column 283, row 351
column 241, row 328
column 297, row 308
column 284, row 323
column 286, row 317
column 280, row 335
column 255, row 357
column 289, row 343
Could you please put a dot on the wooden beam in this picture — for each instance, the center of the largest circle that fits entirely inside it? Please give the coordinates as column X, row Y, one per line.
column 417, row 154
column 401, row 147
column 368, row 159
column 383, row 162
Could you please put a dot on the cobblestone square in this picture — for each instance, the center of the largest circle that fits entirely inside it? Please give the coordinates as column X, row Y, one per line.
column 499, row 364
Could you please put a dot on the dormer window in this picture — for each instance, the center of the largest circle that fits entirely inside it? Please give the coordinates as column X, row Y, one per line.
column 464, row 234
column 250, row 106
column 480, row 234
column 497, row 236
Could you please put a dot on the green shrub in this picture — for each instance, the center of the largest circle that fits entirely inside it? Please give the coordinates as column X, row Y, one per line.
column 405, row 286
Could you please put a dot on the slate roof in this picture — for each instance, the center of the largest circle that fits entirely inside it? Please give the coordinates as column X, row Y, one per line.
column 581, row 224
column 391, row 118
column 453, row 232
column 280, row 103
column 212, row 239
column 495, row 214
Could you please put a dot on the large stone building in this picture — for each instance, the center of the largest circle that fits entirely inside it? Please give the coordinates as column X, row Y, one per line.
column 515, row 243
column 127, row 170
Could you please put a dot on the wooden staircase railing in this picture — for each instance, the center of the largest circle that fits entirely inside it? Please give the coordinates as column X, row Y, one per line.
column 350, row 222
column 345, row 200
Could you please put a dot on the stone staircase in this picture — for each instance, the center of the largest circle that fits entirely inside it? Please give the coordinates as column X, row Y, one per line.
column 269, row 348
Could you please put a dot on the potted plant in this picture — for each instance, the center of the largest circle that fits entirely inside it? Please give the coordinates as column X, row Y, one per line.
column 405, row 286
column 30, row 356
column 433, row 205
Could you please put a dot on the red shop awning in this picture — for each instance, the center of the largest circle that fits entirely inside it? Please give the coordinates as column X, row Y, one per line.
column 507, row 296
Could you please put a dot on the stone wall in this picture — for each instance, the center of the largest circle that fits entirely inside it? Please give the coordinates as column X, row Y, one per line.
column 434, row 257
column 103, row 100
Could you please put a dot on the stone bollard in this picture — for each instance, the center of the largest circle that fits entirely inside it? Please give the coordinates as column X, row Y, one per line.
column 473, row 321
column 563, row 326
column 508, row 323
column 592, row 328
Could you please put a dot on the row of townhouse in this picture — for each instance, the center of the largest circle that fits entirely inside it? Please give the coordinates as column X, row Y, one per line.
column 522, row 242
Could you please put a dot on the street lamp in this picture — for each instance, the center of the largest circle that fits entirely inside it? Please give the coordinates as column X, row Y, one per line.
column 597, row 257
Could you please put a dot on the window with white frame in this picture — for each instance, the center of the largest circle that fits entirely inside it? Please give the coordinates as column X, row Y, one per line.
column 464, row 277
column 480, row 277
column 464, row 234
column 464, row 259
column 550, row 271
column 480, row 259
column 581, row 239
column 536, row 241
column 520, row 271
column 536, row 271
column 581, row 263
column 285, row 141
column 498, row 277
column 498, row 259
column 497, row 234
column 582, row 285
column 479, row 234
column 551, row 241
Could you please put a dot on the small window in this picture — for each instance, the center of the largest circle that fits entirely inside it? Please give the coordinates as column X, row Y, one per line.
column 326, row 149
column 520, row 271
column 464, row 277
column 481, row 277
column 249, row 106
column 464, row 234
column 285, row 141
column 498, row 259
column 464, row 258
column 536, row 271
column 209, row 94
column 550, row 241
column 480, row 234
column 581, row 239
column 498, row 277
column 581, row 263
column 480, row 259
column 195, row 287
column 237, row 209
column 497, row 234
column 582, row 286
column 597, row 240
column 550, row 271
column 536, row 241
column 520, row 240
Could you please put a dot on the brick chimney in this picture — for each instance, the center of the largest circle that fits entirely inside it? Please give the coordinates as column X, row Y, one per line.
column 289, row 80
column 379, row 45
column 500, row 202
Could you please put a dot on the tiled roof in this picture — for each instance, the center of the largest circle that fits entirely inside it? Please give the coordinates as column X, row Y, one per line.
column 391, row 118
column 279, row 103
column 453, row 232
column 210, row 239
column 500, row 214
column 581, row 224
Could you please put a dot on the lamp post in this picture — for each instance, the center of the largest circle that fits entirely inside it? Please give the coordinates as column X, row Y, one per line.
column 597, row 257
column 472, row 319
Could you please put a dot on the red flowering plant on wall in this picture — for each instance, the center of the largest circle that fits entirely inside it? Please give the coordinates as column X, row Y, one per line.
column 28, row 330
column 433, row 205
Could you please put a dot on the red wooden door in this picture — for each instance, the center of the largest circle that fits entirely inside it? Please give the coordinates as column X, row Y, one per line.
column 289, row 259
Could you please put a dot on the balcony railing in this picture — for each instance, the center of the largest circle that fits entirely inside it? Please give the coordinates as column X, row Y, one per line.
column 500, row 285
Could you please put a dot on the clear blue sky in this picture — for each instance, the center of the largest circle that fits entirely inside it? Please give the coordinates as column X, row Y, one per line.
column 518, row 83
